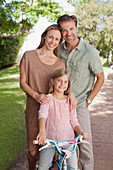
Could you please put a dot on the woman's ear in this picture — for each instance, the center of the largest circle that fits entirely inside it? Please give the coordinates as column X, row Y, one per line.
column 52, row 82
column 44, row 36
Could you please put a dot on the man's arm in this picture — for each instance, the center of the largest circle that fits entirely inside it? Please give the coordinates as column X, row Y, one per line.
column 98, row 84
column 72, row 100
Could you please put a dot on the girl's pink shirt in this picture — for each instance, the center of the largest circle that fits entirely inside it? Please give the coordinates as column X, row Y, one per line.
column 60, row 121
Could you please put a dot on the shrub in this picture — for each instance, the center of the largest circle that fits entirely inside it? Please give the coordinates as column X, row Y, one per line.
column 9, row 48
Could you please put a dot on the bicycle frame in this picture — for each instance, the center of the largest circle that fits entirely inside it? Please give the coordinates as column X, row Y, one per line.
column 63, row 165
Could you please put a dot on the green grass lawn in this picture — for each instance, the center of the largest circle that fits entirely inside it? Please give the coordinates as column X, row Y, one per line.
column 12, row 117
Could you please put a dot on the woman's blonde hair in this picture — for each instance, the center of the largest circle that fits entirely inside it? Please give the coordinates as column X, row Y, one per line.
column 42, row 42
column 56, row 74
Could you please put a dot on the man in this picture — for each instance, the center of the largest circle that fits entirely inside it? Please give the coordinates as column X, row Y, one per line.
column 83, row 63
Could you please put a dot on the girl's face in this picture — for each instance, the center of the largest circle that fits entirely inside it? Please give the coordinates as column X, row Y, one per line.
column 60, row 84
column 52, row 39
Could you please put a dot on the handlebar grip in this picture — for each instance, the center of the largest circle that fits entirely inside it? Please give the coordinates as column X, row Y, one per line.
column 35, row 142
column 83, row 141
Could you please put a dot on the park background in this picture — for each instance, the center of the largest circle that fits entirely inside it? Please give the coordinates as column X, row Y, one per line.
column 21, row 24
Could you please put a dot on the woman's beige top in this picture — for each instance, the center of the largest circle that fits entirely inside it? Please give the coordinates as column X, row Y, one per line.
column 38, row 73
column 37, row 76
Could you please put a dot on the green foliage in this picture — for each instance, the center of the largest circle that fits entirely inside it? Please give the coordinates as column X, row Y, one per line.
column 106, row 64
column 12, row 117
column 14, row 14
column 17, row 18
column 9, row 48
column 95, row 20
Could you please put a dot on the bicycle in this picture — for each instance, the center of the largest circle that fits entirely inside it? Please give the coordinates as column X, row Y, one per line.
column 62, row 154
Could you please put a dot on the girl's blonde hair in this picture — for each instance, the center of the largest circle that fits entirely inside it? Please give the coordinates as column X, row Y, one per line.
column 57, row 74
column 42, row 42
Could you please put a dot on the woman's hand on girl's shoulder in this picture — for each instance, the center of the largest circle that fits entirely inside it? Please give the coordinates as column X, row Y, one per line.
column 72, row 100
column 42, row 99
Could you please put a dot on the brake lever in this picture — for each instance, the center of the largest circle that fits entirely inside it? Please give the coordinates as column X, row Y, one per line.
column 45, row 146
column 83, row 141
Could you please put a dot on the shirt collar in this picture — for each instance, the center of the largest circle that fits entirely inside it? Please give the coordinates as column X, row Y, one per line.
column 64, row 45
column 79, row 46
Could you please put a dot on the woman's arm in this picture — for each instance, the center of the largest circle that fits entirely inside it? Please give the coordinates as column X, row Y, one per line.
column 40, row 98
column 42, row 132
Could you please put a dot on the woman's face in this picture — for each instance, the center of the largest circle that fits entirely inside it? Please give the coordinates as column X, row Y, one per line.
column 52, row 39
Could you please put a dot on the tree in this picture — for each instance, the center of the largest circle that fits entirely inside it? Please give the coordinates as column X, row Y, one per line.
column 18, row 16
column 95, row 20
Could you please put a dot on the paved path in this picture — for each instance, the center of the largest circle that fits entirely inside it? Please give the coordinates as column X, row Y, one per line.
column 102, row 128
column 102, row 125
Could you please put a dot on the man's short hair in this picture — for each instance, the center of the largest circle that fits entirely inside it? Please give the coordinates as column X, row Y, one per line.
column 67, row 17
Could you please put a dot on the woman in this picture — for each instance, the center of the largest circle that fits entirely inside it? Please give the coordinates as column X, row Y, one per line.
column 35, row 69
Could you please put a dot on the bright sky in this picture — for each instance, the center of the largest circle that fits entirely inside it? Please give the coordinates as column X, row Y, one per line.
column 65, row 5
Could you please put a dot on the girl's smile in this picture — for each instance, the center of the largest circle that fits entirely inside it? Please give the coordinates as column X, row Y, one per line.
column 60, row 84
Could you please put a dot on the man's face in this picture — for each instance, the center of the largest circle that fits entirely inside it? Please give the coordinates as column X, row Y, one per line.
column 69, row 31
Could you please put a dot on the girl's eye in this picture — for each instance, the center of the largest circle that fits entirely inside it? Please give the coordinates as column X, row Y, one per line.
column 59, row 80
column 57, row 39
column 66, row 81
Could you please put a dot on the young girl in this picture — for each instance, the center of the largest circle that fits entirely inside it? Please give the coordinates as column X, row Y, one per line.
column 56, row 120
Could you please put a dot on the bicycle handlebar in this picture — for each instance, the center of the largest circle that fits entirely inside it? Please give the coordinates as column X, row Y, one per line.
column 57, row 144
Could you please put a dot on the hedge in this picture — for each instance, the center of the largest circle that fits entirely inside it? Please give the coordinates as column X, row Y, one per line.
column 9, row 48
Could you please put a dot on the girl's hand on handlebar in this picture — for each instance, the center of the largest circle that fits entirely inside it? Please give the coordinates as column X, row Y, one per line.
column 42, row 99
column 85, row 135
column 41, row 138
